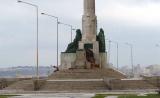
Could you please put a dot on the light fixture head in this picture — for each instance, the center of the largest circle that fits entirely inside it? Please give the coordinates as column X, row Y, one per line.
column 19, row 1
column 59, row 23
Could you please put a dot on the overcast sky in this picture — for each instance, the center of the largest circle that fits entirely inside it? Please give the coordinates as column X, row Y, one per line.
column 132, row 21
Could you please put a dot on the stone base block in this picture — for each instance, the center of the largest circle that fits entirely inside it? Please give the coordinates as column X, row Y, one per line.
column 94, row 47
column 80, row 59
column 67, row 60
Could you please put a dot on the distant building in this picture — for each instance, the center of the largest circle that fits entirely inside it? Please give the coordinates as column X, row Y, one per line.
column 152, row 70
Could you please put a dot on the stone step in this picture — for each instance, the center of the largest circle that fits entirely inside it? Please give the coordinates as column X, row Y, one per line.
column 80, row 79
column 86, row 74
column 26, row 85
column 131, row 84
column 74, row 79
column 73, row 85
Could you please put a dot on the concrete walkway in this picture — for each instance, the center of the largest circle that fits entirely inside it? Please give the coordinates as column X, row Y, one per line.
column 58, row 95
column 112, row 97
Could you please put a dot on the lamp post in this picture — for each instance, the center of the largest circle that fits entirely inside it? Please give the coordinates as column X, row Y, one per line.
column 57, row 19
column 117, row 53
column 69, row 26
column 131, row 48
column 37, row 37
column 109, row 50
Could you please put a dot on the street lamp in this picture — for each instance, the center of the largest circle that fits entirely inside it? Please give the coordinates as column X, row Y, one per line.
column 57, row 33
column 37, row 38
column 131, row 47
column 117, row 52
column 69, row 26
column 109, row 51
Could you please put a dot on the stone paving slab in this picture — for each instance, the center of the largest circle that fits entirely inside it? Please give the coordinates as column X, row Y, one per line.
column 58, row 95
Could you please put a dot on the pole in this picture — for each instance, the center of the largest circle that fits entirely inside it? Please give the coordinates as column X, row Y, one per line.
column 37, row 37
column 117, row 56
column 132, row 59
column 117, row 45
column 37, row 45
column 57, row 42
column 109, row 50
column 57, row 20
column 71, row 33
column 131, row 49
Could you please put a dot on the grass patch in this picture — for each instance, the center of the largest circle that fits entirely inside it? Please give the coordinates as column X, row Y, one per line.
column 128, row 96
column 99, row 96
column 134, row 96
column 6, row 96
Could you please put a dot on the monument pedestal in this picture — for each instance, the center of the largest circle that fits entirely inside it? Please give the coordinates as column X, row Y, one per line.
column 77, row 60
column 94, row 46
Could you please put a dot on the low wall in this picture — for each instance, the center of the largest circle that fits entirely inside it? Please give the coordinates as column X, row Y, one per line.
column 117, row 84
column 67, row 60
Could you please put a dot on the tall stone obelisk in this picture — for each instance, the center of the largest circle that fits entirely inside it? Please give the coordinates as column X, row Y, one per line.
column 89, row 21
column 89, row 29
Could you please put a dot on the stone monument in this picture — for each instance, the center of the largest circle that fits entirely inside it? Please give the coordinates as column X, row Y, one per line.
column 83, row 64
column 86, row 52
